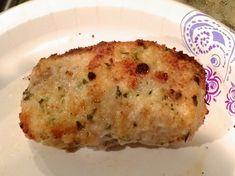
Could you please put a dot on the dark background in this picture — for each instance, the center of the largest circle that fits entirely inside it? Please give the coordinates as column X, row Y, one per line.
column 6, row 4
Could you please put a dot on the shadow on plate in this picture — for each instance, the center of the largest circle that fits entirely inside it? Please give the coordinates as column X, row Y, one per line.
column 212, row 159
column 205, row 154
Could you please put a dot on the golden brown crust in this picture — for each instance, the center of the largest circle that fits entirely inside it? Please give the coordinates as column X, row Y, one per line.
column 24, row 125
column 114, row 92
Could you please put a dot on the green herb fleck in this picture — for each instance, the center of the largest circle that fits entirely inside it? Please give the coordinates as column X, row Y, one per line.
column 138, row 53
column 84, row 81
column 118, row 92
column 108, row 65
column 196, row 78
column 125, row 138
column 27, row 95
column 172, row 107
column 89, row 117
column 134, row 124
column 59, row 88
column 125, row 95
column 41, row 101
column 79, row 125
column 108, row 126
column 136, row 56
column 164, row 97
column 178, row 95
column 51, row 120
column 162, row 90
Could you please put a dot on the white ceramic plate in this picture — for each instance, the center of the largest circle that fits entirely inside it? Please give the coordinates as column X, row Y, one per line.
column 40, row 28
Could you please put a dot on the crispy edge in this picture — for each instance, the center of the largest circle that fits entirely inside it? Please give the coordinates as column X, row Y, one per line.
column 103, row 48
column 24, row 124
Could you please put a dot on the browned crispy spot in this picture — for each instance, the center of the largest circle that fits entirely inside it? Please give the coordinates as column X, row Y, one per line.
column 195, row 102
column 69, row 73
column 60, row 129
column 76, row 107
column 196, row 78
column 144, row 116
column 174, row 62
column 141, row 43
column 199, row 78
column 24, row 125
column 129, row 69
column 125, row 71
column 133, row 82
column 161, row 76
column 79, row 125
column 42, row 71
column 91, row 76
column 145, row 111
column 180, row 56
column 97, row 91
column 104, row 48
column 124, row 122
column 95, row 62
column 174, row 95
column 142, row 68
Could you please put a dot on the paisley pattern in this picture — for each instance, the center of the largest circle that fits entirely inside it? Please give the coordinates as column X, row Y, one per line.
column 203, row 35
column 212, row 85
column 230, row 102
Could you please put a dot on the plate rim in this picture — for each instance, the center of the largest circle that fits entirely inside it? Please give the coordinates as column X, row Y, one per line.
column 23, row 12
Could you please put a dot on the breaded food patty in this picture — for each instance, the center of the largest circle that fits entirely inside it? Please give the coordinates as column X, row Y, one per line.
column 114, row 93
